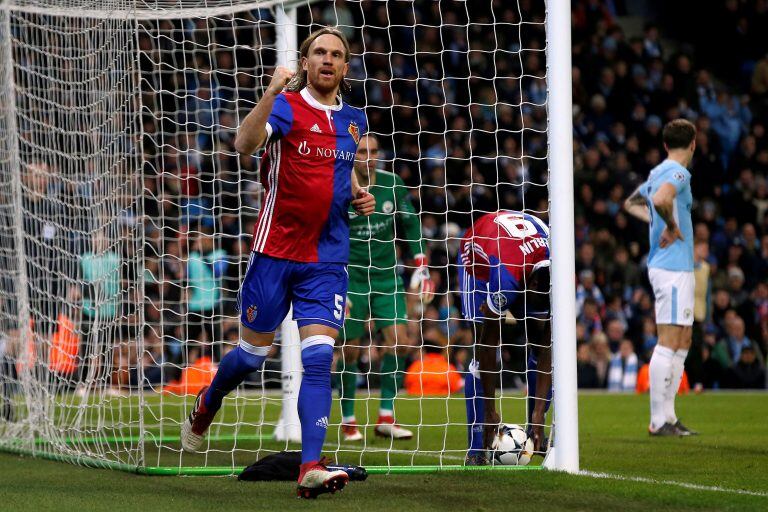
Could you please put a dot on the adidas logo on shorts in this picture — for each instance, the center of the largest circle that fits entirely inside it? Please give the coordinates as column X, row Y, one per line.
column 322, row 422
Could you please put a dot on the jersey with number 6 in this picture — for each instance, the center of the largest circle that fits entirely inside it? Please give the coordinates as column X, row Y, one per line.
column 502, row 249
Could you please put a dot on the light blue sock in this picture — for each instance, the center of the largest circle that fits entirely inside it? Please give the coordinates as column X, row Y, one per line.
column 233, row 369
column 315, row 395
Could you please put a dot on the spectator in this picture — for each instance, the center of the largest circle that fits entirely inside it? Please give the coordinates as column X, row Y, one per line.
column 615, row 311
column 432, row 375
column 701, row 312
column 649, row 338
column 588, row 289
column 44, row 246
column 760, row 83
column 586, row 372
column 100, row 267
column 205, row 268
column 728, row 350
column 622, row 372
column 615, row 331
column 601, row 357
column 730, row 119
column 749, row 370
column 711, row 368
column 590, row 318
column 739, row 296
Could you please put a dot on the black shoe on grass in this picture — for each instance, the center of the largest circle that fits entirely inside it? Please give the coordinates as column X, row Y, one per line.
column 666, row 430
column 685, row 430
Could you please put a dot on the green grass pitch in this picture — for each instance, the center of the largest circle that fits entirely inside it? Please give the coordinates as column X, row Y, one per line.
column 725, row 468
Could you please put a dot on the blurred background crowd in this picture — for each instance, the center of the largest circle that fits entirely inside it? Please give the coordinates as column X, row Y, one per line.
column 456, row 93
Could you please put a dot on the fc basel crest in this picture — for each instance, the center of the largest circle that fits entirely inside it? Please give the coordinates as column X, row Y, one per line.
column 354, row 131
column 499, row 300
column 251, row 313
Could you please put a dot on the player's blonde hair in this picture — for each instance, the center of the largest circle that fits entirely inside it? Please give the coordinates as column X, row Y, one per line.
column 299, row 80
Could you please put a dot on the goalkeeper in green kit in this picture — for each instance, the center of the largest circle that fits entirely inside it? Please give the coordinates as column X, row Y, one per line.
column 376, row 291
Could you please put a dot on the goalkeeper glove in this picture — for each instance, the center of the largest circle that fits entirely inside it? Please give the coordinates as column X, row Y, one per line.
column 421, row 280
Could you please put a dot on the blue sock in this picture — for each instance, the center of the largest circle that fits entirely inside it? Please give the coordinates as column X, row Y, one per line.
column 233, row 370
column 473, row 392
column 531, row 376
column 315, row 395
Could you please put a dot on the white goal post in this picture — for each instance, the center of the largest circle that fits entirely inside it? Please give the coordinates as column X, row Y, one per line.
column 126, row 217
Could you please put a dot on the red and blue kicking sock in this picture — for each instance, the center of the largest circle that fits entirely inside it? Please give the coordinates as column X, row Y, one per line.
column 475, row 402
column 531, row 374
column 315, row 395
column 233, row 369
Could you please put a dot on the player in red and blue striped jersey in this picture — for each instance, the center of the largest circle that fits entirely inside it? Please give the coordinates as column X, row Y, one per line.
column 504, row 267
column 301, row 242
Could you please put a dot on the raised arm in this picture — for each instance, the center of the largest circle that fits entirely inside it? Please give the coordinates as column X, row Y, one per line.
column 664, row 204
column 252, row 134
column 637, row 206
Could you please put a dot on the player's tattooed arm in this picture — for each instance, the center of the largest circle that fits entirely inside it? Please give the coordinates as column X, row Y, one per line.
column 252, row 134
column 490, row 338
column 637, row 206
column 664, row 204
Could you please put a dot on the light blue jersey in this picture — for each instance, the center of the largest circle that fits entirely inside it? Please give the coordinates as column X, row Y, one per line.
column 678, row 256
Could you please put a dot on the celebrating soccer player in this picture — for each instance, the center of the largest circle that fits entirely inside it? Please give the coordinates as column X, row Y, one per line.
column 301, row 242
column 504, row 267
column 664, row 201
column 377, row 291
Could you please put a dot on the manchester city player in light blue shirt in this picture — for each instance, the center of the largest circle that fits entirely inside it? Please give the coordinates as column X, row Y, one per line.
column 664, row 201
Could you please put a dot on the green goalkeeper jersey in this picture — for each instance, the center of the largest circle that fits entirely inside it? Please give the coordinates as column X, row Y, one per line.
column 372, row 239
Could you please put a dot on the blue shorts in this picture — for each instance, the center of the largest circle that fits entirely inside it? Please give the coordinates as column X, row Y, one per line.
column 474, row 293
column 318, row 292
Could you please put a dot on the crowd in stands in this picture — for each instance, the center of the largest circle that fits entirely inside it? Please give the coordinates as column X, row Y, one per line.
column 460, row 112
column 625, row 88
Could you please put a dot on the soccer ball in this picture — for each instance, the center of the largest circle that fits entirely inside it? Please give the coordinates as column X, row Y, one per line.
column 511, row 446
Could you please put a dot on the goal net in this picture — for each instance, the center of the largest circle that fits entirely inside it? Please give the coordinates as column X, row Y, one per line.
column 126, row 220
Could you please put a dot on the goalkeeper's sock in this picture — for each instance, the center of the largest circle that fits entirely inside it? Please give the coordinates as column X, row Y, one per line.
column 660, row 379
column 678, row 367
column 243, row 360
column 391, row 378
column 531, row 374
column 347, row 389
column 315, row 395
column 473, row 393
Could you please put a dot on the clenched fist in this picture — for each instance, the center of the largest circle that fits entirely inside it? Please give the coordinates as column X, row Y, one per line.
column 279, row 79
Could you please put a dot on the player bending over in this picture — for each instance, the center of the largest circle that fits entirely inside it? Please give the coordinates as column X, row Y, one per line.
column 664, row 201
column 504, row 267
column 301, row 242
column 376, row 291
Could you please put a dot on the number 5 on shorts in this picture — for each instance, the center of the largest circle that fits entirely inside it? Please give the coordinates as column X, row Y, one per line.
column 338, row 305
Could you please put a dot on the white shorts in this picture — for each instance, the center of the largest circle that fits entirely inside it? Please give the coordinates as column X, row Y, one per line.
column 674, row 296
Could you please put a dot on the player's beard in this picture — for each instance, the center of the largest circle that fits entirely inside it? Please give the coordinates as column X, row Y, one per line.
column 324, row 85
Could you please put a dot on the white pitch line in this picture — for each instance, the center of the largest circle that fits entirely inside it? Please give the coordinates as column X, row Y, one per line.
column 686, row 485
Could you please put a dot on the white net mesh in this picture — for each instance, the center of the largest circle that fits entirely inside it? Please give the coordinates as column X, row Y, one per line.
column 136, row 215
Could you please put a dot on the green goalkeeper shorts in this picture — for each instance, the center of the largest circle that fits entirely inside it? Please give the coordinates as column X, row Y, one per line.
column 380, row 299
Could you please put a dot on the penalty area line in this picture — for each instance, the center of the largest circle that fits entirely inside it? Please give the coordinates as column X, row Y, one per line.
column 685, row 485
